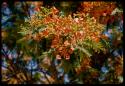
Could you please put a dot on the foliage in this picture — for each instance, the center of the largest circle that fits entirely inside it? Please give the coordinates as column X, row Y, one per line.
column 50, row 46
column 98, row 9
column 79, row 35
column 65, row 33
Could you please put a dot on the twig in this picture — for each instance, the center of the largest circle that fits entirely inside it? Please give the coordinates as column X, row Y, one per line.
column 45, row 76
column 5, row 54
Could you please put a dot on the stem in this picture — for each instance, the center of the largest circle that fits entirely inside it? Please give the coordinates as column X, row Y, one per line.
column 46, row 76
column 31, row 71
column 9, row 61
column 5, row 54
column 6, row 67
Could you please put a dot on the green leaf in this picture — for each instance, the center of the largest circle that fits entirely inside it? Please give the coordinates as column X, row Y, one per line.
column 81, row 56
column 37, row 75
column 21, row 40
column 67, row 66
column 84, row 50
